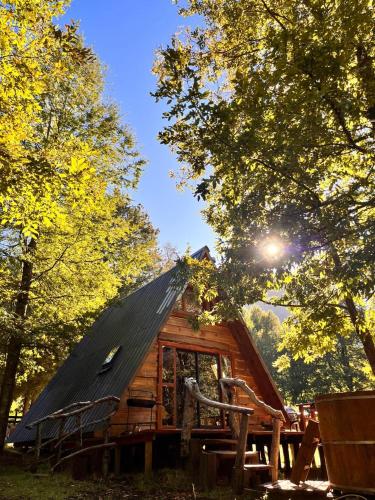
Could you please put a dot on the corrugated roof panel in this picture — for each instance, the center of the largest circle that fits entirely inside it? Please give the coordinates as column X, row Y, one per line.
column 133, row 323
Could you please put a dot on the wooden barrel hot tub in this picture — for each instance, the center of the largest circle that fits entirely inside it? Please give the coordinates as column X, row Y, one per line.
column 347, row 430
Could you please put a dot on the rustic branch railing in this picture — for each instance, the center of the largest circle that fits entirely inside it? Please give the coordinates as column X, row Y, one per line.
column 192, row 393
column 75, row 411
column 227, row 383
column 240, row 431
column 277, row 418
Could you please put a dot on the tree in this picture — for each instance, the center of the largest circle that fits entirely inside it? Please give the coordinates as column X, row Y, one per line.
column 271, row 110
column 32, row 48
column 77, row 270
column 70, row 235
column 265, row 328
column 168, row 256
column 341, row 369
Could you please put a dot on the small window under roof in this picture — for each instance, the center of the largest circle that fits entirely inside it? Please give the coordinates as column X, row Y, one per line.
column 107, row 363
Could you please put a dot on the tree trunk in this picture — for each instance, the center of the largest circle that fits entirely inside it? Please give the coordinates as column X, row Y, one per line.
column 26, row 403
column 344, row 357
column 7, row 386
column 363, row 333
column 366, row 73
column 15, row 342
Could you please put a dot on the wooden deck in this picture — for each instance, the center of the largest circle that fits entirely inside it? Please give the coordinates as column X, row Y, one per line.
column 308, row 489
column 259, row 440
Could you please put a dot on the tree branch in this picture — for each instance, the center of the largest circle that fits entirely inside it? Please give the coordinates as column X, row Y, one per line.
column 301, row 306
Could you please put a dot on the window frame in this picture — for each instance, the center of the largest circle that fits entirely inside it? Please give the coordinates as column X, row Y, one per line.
column 192, row 348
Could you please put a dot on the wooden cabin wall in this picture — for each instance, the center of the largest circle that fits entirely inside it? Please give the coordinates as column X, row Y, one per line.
column 220, row 337
column 146, row 379
column 178, row 330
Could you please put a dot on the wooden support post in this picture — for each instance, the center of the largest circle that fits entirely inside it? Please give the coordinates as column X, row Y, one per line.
column 78, row 440
column 106, row 453
column 275, row 449
column 38, row 445
column 79, row 427
column 323, row 468
column 117, row 460
column 238, row 471
column 306, row 452
column 259, row 446
column 295, row 450
column 148, row 459
column 193, row 462
column 187, row 423
column 207, row 471
column 285, row 446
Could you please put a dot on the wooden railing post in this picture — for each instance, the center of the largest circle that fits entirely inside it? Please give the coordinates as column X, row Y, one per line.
column 275, row 449
column 232, row 416
column 60, row 440
column 238, row 471
column 106, row 451
column 187, row 423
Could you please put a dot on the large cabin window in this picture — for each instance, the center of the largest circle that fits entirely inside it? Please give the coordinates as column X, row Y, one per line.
column 206, row 368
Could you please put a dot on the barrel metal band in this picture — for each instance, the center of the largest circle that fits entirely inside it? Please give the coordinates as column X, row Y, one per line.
column 348, row 442
column 358, row 489
column 336, row 400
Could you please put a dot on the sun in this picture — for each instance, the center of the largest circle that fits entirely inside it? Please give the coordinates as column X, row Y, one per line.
column 272, row 248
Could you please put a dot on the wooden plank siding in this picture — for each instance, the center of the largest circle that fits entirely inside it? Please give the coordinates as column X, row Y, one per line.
column 178, row 331
column 146, row 379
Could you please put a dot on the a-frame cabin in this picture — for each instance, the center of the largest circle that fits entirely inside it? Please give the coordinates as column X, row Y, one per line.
column 141, row 349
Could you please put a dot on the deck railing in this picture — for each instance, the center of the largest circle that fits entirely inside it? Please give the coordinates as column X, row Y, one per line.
column 72, row 418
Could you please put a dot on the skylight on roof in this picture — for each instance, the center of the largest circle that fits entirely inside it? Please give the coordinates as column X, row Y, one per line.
column 108, row 361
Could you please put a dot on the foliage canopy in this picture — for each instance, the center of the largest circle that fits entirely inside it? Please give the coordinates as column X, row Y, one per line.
column 271, row 110
column 343, row 369
column 71, row 237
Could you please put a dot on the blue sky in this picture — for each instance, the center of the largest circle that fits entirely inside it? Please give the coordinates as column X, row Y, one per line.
column 125, row 35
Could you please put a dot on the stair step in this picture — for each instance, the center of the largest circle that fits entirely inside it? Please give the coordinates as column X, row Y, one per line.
column 232, row 453
column 257, row 467
column 215, row 442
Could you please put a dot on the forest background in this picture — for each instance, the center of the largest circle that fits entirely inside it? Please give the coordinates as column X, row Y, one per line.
column 282, row 100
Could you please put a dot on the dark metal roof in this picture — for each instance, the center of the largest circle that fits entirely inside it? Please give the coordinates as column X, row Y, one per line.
column 201, row 253
column 132, row 323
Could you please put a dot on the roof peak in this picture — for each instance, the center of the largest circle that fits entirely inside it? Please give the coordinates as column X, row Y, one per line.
column 199, row 254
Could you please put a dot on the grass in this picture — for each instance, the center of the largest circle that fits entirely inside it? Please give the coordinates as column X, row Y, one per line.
column 17, row 484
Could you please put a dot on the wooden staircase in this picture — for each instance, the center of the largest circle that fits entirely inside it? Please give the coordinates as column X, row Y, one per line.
column 212, row 452
column 215, row 454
